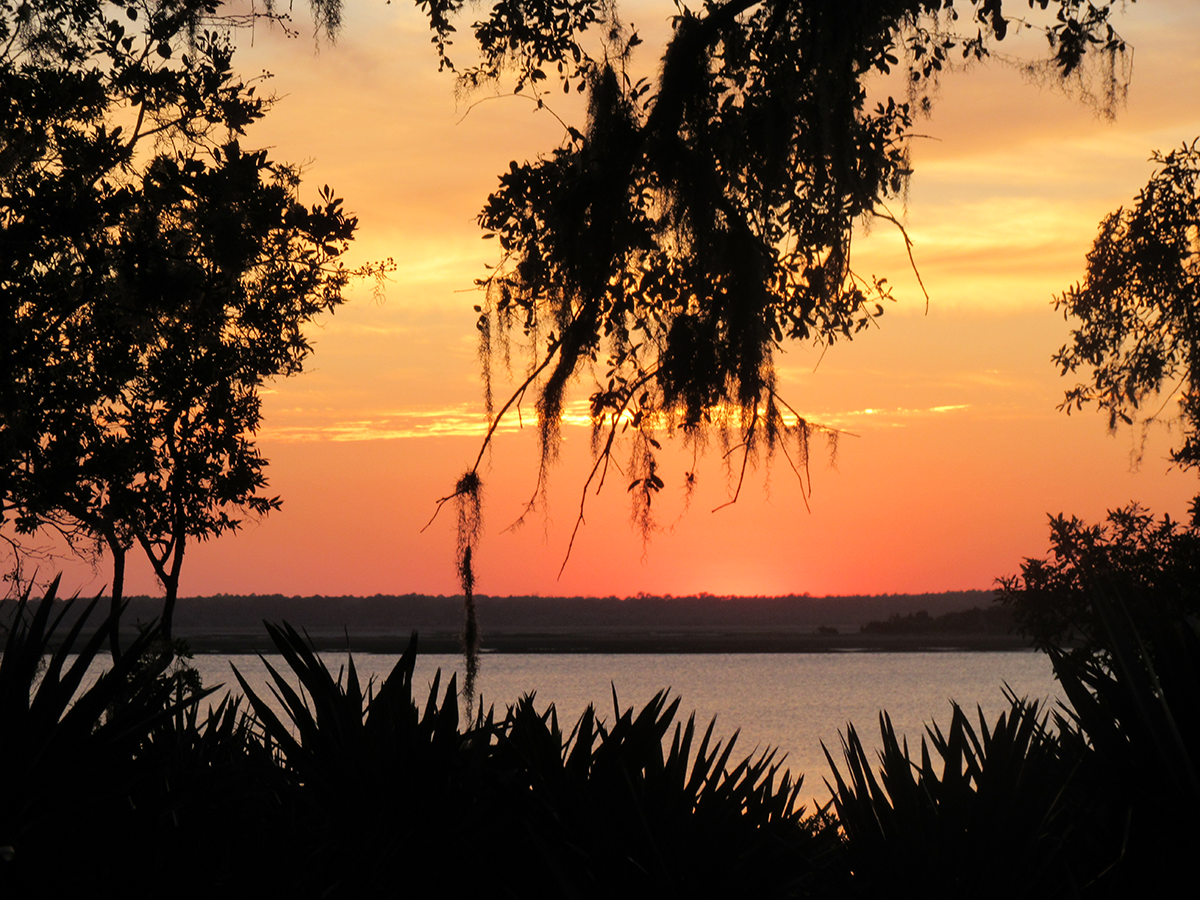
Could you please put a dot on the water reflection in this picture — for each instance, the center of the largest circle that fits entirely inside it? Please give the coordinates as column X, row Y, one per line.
column 787, row 701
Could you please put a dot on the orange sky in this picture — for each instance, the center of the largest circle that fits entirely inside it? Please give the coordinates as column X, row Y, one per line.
column 959, row 453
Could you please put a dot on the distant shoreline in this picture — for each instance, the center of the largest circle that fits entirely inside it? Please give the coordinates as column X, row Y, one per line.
column 886, row 623
column 661, row 643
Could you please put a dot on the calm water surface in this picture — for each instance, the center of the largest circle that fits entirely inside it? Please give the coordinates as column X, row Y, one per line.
column 787, row 701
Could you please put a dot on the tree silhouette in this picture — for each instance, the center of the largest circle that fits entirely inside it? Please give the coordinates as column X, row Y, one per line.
column 1138, row 308
column 1151, row 562
column 693, row 225
column 154, row 276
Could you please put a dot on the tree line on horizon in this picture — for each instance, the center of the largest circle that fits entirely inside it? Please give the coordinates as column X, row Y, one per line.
column 404, row 613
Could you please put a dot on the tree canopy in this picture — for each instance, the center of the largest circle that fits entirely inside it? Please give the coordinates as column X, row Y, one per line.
column 1137, row 310
column 1152, row 563
column 154, row 275
column 696, row 224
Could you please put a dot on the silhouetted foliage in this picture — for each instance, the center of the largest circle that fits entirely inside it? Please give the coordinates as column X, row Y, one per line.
column 345, row 788
column 388, row 792
column 75, row 752
column 1116, row 605
column 1116, row 609
column 155, row 275
column 675, row 242
column 628, row 807
column 1053, row 599
column 1137, row 308
column 980, row 811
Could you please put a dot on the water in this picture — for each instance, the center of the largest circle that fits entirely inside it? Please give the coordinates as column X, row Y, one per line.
column 791, row 702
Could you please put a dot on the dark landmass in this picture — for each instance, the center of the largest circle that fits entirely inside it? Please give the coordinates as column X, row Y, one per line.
column 954, row 620
column 995, row 619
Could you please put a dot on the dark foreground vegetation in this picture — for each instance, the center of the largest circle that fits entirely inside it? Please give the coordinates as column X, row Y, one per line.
column 145, row 786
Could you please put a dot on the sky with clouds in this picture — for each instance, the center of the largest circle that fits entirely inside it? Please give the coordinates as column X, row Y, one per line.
column 956, row 453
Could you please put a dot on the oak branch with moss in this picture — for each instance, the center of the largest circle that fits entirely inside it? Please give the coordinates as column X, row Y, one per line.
column 695, row 224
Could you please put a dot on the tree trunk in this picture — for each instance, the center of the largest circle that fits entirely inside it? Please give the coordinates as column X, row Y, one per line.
column 118, row 593
column 170, row 581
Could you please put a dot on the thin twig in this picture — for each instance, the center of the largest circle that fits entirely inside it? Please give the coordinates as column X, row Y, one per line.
column 745, row 459
column 442, row 502
column 603, row 458
column 604, row 454
column 541, row 104
column 515, row 398
column 887, row 216
column 800, row 478
column 741, row 477
column 823, row 428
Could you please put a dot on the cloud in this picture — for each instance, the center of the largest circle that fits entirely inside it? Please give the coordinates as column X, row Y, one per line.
column 301, row 425
column 468, row 420
column 894, row 417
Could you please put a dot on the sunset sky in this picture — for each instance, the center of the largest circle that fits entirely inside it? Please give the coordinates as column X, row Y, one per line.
column 959, row 452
